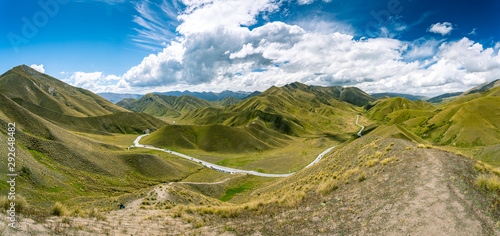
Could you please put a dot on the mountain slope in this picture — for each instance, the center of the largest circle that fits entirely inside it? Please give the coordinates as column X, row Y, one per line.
column 402, row 95
column 116, row 97
column 162, row 105
column 472, row 120
column 292, row 109
column 23, row 83
column 444, row 97
column 383, row 108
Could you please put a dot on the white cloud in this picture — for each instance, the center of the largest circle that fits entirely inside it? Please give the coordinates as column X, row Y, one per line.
column 94, row 81
column 218, row 53
column 305, row 2
column 441, row 28
column 38, row 68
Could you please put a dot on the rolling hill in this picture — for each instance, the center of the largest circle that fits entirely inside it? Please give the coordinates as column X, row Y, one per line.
column 472, row 120
column 162, row 105
column 382, row 109
column 292, row 109
column 57, row 156
column 25, row 84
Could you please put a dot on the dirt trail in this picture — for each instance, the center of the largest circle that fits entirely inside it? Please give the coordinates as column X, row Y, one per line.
column 435, row 206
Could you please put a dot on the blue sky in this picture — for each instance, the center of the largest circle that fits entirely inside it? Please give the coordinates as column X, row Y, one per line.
column 414, row 46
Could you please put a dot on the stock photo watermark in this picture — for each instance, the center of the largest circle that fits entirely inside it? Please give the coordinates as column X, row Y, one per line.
column 11, row 173
column 383, row 17
column 30, row 26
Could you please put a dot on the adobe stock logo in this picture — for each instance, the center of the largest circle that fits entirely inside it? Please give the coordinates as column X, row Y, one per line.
column 30, row 27
column 383, row 17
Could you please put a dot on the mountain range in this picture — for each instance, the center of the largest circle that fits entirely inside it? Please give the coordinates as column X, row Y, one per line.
column 209, row 96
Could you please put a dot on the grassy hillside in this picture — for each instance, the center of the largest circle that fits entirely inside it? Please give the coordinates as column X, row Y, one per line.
column 214, row 138
column 119, row 122
column 443, row 98
column 228, row 101
column 293, row 109
column 26, row 84
column 463, row 124
column 382, row 109
column 468, row 121
column 59, row 165
column 162, row 105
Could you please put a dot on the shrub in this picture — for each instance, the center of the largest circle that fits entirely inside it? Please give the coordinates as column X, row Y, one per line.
column 58, row 209
column 420, row 145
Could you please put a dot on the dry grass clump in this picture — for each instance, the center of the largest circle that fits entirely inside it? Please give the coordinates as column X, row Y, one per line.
column 58, row 209
column 94, row 213
column 372, row 162
column 421, row 145
column 387, row 160
column 378, row 154
column 489, row 182
column 327, row 187
column 20, row 203
column 362, row 176
column 292, row 199
column 409, row 148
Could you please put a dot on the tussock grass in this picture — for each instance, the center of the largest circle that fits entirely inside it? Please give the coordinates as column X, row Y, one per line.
column 387, row 160
column 58, row 209
column 20, row 203
column 362, row 176
column 372, row 162
column 327, row 187
column 489, row 182
column 95, row 213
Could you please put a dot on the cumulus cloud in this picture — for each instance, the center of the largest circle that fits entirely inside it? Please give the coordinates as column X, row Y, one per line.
column 94, row 81
column 38, row 68
column 441, row 28
column 218, row 53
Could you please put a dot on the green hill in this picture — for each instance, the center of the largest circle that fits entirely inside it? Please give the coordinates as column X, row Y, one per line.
column 382, row 109
column 292, row 109
column 163, row 105
column 228, row 101
column 473, row 120
column 215, row 138
column 23, row 83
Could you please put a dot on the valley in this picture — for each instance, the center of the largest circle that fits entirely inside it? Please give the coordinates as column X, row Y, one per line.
column 296, row 159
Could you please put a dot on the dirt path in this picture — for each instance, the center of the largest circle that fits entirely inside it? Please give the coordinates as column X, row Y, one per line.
column 434, row 207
